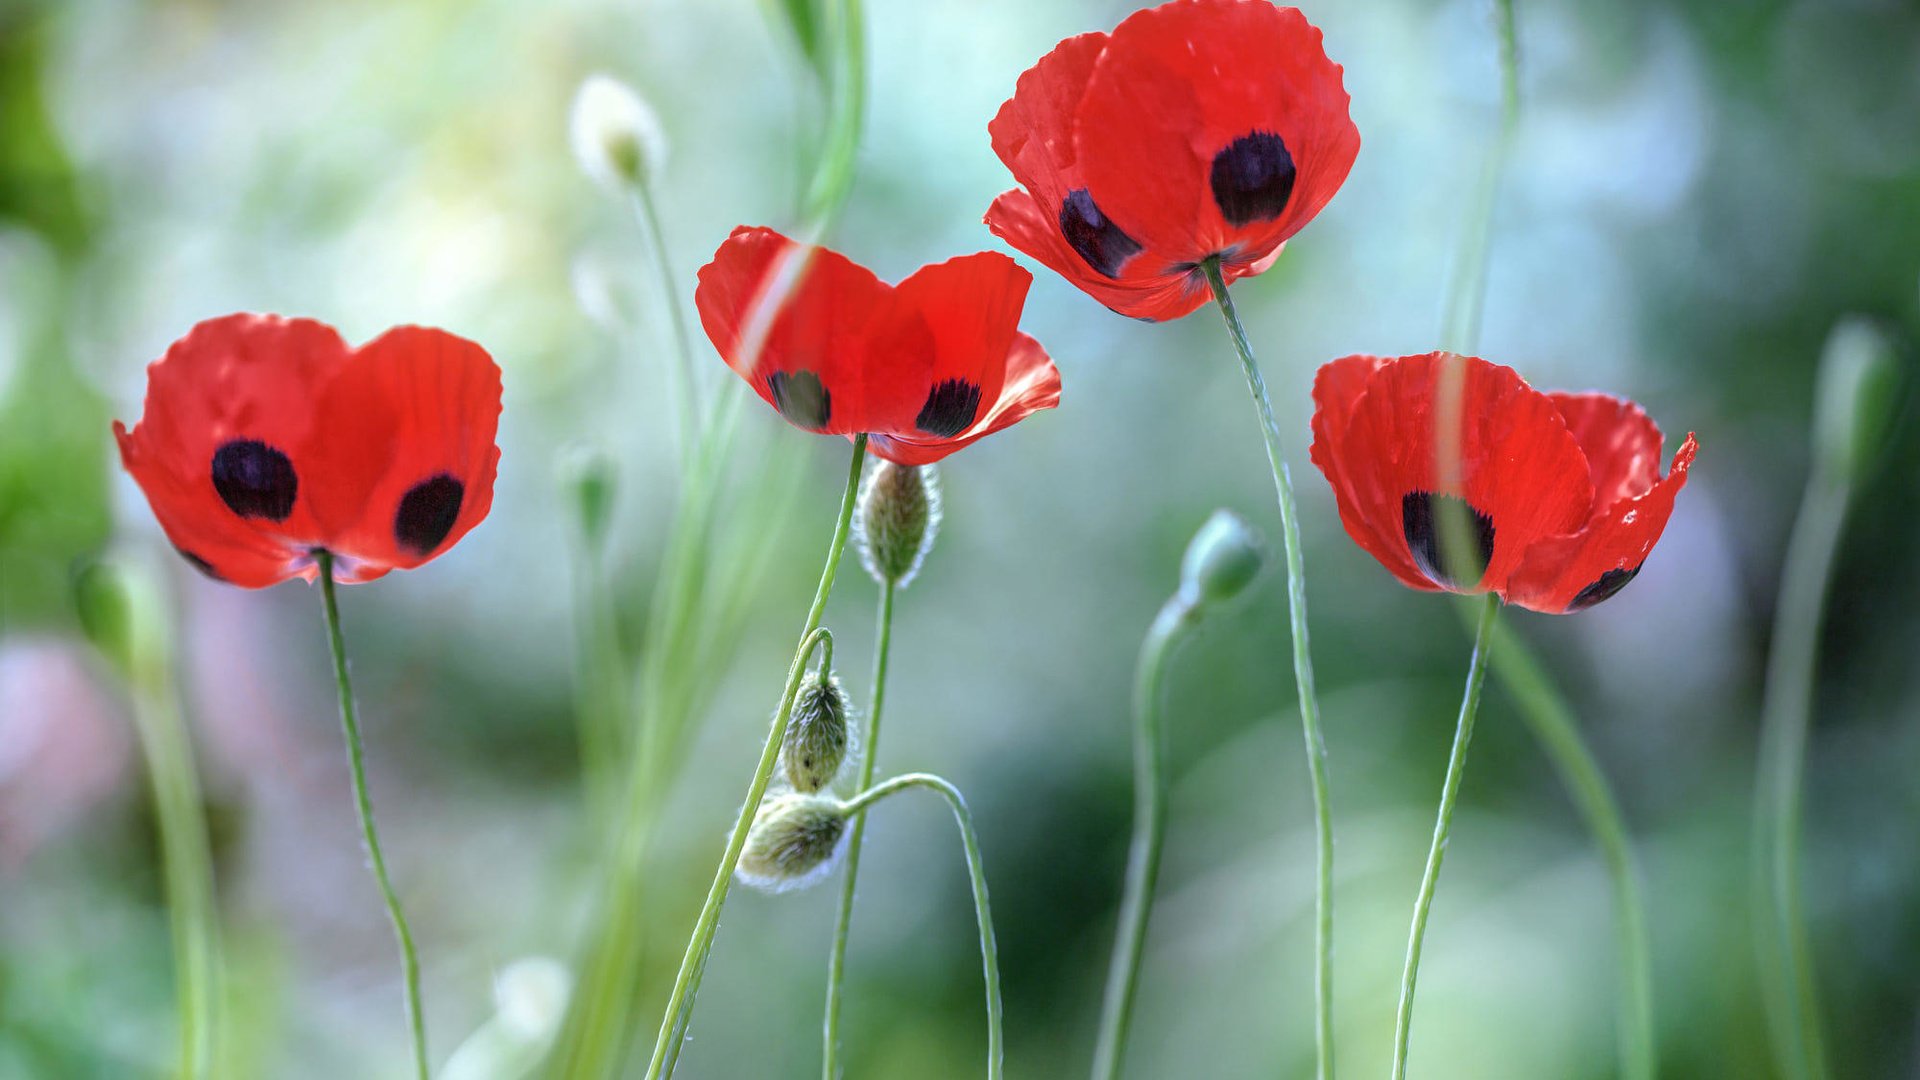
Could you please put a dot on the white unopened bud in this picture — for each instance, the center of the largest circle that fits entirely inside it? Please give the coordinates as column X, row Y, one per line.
column 899, row 517
column 616, row 136
column 816, row 741
column 794, row 840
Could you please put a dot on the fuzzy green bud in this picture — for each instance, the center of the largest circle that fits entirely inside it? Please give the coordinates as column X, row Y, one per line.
column 616, row 136
column 587, row 476
column 898, row 519
column 1222, row 559
column 816, row 742
column 794, row 840
column 1856, row 397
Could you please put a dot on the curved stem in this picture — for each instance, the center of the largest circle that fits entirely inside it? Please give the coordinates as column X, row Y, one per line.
column 1554, row 726
column 686, row 985
column 843, row 922
column 977, row 872
column 1302, row 677
column 1149, row 831
column 684, row 386
column 1442, row 826
column 1788, row 983
column 833, row 176
column 349, row 723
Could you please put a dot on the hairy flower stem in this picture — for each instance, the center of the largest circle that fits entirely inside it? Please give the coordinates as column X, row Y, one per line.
column 1302, row 677
column 1442, row 826
column 977, row 873
column 1787, row 982
column 1149, row 831
column 349, row 723
column 686, row 985
column 843, row 921
column 1542, row 706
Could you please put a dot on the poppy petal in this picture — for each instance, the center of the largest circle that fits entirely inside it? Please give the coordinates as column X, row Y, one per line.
column 1032, row 133
column 807, row 359
column 405, row 439
column 1016, row 218
column 218, row 446
column 1336, row 390
column 1031, row 382
column 1522, row 475
column 970, row 306
column 1621, row 443
column 1573, row 572
column 1214, row 127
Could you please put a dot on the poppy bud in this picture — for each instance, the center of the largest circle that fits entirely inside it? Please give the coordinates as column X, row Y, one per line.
column 1856, row 397
column 587, row 475
column 816, row 742
column 899, row 517
column 616, row 136
column 122, row 612
column 1222, row 560
column 793, row 842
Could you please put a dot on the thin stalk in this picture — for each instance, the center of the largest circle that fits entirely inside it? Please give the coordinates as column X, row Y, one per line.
column 186, row 862
column 983, row 911
column 1788, row 984
column 1149, row 832
column 356, row 761
column 843, row 921
column 683, row 386
column 1302, row 677
column 686, row 985
column 1555, row 727
column 599, row 689
column 1442, row 826
column 833, row 176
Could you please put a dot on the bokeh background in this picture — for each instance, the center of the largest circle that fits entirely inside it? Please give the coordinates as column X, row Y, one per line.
column 1698, row 192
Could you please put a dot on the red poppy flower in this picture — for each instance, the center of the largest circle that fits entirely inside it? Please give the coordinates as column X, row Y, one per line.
column 924, row 368
column 1564, row 491
column 1199, row 128
column 265, row 439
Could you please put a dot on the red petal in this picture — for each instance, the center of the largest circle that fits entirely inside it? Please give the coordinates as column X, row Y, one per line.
column 1178, row 84
column 1568, row 573
column 236, row 379
column 1520, row 467
column 1031, row 383
column 405, row 440
column 1622, row 445
column 819, row 326
column 1336, row 390
column 970, row 306
column 1033, row 131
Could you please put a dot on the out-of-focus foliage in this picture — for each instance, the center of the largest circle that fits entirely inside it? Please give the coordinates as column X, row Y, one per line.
column 1698, row 193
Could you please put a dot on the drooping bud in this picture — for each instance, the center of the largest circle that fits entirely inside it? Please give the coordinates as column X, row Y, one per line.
column 616, row 136
column 587, row 477
column 794, row 840
column 816, row 742
column 898, row 520
column 123, row 612
column 1222, row 559
column 1855, row 401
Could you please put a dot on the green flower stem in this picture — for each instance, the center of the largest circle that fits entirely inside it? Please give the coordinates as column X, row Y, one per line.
column 1787, row 978
column 833, row 177
column 843, row 922
column 1442, row 826
column 976, row 870
column 409, row 958
column 186, row 860
column 1149, row 831
column 599, row 690
column 686, row 985
column 1555, row 727
column 682, row 386
column 1302, row 677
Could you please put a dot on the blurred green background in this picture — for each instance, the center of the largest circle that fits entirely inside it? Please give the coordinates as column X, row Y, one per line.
column 1698, row 192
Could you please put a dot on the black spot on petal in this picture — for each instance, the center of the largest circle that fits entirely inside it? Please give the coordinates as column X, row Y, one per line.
column 801, row 398
column 254, row 479
column 1098, row 240
column 1423, row 518
column 950, row 408
column 1253, row 178
column 1609, row 583
column 427, row 513
column 199, row 563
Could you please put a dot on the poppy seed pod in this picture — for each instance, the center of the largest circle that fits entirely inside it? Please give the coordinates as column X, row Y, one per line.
column 1222, row 559
column 616, row 136
column 793, row 842
column 1855, row 398
column 816, row 742
column 898, row 519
